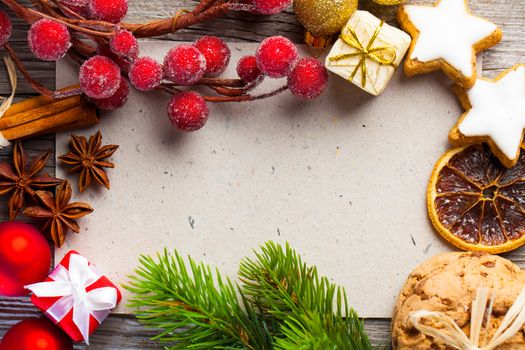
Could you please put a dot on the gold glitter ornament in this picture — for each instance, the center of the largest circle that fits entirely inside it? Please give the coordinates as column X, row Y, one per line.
column 324, row 18
column 389, row 2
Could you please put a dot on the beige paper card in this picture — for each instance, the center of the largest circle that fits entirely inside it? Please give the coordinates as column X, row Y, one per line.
column 342, row 178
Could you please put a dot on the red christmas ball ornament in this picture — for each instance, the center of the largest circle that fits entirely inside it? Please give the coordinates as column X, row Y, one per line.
column 217, row 54
column 188, row 111
column 184, row 65
column 146, row 74
column 99, row 77
column 49, row 40
column 308, row 79
column 247, row 69
column 276, row 56
column 108, row 10
column 118, row 99
column 124, row 44
column 6, row 27
column 25, row 257
column 35, row 334
column 270, row 7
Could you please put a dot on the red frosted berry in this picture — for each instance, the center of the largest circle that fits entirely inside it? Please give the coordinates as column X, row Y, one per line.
column 188, row 111
column 247, row 69
column 270, row 7
column 48, row 39
column 217, row 54
column 118, row 99
column 146, row 74
column 6, row 27
column 184, row 65
column 99, row 77
column 276, row 56
column 78, row 6
column 124, row 44
column 308, row 79
column 108, row 10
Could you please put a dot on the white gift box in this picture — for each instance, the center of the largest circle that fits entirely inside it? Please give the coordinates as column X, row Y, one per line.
column 368, row 52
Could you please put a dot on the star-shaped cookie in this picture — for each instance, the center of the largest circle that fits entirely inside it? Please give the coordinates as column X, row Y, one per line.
column 446, row 36
column 495, row 114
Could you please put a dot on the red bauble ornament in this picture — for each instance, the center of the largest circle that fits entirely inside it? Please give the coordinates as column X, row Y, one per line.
column 25, row 257
column 48, row 40
column 276, row 56
column 247, row 69
column 184, row 65
column 6, row 27
column 146, row 74
column 108, row 10
column 99, row 77
column 270, row 7
column 35, row 334
column 118, row 99
column 217, row 54
column 308, row 79
column 188, row 111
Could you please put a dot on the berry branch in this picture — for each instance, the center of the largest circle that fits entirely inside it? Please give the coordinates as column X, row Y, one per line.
column 93, row 34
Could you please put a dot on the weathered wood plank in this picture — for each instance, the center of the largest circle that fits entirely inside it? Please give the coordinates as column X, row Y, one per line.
column 124, row 332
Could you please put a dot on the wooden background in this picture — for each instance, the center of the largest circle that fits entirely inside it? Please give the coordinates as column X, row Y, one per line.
column 124, row 332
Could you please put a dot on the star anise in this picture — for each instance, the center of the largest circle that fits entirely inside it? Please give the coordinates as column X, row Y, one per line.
column 60, row 215
column 88, row 158
column 22, row 179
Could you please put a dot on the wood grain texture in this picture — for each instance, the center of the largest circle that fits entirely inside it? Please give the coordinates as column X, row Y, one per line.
column 124, row 332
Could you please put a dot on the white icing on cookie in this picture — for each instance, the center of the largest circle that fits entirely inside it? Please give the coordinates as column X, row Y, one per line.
column 448, row 31
column 498, row 111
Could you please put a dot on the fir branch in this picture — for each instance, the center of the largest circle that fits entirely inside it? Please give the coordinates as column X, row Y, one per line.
column 283, row 304
column 195, row 308
column 313, row 312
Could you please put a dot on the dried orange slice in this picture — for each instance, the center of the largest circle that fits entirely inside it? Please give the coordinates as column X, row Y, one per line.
column 475, row 202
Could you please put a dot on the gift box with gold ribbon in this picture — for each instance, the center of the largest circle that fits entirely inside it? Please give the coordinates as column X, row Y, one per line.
column 368, row 52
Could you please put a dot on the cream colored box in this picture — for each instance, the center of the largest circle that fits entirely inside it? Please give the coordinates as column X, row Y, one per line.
column 368, row 48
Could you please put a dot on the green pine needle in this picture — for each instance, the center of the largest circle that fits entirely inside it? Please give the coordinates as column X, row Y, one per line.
column 312, row 312
column 195, row 308
column 281, row 304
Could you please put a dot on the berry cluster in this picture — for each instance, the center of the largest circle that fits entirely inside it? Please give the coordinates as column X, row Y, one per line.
column 115, row 59
column 49, row 40
column 276, row 57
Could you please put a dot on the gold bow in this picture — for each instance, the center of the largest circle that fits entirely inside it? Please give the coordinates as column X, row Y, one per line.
column 385, row 55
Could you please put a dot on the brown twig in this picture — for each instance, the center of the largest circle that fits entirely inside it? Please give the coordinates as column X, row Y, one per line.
column 203, row 5
column 84, row 48
column 235, row 83
column 66, row 10
column 245, row 98
column 36, row 85
column 219, row 99
column 173, row 24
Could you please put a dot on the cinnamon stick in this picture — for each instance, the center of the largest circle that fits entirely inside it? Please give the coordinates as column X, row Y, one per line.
column 11, row 120
column 43, row 115
column 34, row 102
column 66, row 120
